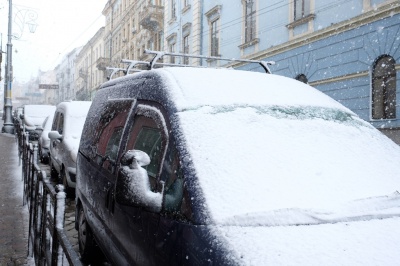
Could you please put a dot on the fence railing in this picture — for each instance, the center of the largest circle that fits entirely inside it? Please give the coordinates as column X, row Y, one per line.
column 47, row 239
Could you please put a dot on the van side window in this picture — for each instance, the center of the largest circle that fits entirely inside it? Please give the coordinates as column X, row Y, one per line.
column 60, row 126
column 55, row 121
column 147, row 136
column 110, row 129
column 176, row 198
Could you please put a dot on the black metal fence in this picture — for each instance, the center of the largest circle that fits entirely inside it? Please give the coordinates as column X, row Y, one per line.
column 47, row 241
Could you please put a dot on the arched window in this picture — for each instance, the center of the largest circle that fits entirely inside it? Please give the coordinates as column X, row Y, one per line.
column 384, row 88
column 303, row 78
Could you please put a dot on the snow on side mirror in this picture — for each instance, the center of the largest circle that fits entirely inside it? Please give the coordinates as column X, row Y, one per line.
column 54, row 135
column 133, row 184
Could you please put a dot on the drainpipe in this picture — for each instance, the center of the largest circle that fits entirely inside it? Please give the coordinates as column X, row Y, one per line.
column 201, row 2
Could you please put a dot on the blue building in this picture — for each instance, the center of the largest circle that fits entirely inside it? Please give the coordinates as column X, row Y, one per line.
column 348, row 49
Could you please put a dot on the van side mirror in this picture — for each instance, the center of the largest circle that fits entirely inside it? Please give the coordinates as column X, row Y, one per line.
column 53, row 135
column 133, row 184
column 21, row 116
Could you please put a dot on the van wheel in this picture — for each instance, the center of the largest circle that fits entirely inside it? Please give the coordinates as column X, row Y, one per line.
column 70, row 192
column 85, row 238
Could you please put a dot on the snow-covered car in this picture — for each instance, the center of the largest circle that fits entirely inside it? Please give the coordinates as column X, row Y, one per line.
column 33, row 119
column 195, row 166
column 64, row 138
column 44, row 140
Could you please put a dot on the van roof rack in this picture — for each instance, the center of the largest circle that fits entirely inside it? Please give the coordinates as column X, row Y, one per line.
column 132, row 64
column 160, row 54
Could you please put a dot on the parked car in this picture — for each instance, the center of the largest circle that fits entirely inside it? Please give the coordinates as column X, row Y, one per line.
column 18, row 125
column 33, row 118
column 189, row 166
column 44, row 140
column 64, row 137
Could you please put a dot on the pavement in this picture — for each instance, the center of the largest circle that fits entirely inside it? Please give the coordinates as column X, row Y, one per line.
column 14, row 216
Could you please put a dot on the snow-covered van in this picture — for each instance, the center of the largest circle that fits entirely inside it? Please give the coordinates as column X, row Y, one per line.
column 197, row 166
column 65, row 134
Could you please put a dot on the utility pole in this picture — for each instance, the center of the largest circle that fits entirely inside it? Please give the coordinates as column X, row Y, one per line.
column 8, row 126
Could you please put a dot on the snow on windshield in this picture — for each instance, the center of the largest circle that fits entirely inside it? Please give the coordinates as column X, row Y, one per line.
column 248, row 161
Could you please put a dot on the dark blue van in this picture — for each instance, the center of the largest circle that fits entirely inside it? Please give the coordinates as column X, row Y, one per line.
column 190, row 166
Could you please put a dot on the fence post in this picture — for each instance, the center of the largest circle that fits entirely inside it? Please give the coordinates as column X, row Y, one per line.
column 59, row 209
column 45, row 235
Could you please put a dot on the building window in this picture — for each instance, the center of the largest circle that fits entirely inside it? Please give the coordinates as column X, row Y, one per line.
column 186, row 49
column 302, row 78
column 250, row 20
column 301, row 9
column 171, row 40
column 173, row 9
column 384, row 88
column 171, row 48
column 213, row 17
column 214, row 38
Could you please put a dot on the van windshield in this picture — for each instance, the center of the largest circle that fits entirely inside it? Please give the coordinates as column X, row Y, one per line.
column 258, row 159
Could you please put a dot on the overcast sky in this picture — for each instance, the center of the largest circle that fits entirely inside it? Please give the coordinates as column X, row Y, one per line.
column 62, row 25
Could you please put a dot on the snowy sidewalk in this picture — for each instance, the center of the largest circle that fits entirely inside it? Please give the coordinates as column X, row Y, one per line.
column 14, row 217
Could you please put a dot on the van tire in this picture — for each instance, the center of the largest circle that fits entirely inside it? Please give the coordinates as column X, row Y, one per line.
column 85, row 238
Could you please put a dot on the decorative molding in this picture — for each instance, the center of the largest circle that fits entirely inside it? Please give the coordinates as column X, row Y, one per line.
column 216, row 10
column 250, row 43
column 186, row 29
column 301, row 21
column 186, row 8
column 339, row 78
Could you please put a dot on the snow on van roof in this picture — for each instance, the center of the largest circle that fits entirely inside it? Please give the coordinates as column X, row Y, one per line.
column 203, row 86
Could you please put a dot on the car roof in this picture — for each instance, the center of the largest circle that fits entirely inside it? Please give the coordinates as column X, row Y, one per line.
column 75, row 108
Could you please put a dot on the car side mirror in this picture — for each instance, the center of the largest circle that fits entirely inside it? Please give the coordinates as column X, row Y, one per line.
column 133, row 184
column 53, row 135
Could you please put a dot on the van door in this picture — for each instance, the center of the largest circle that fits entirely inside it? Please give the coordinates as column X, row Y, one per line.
column 101, row 146
column 136, row 226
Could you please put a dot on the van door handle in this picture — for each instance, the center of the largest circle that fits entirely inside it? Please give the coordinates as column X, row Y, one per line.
column 112, row 201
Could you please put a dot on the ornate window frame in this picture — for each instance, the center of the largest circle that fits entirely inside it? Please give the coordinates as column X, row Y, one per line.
column 307, row 17
column 213, row 18
column 249, row 38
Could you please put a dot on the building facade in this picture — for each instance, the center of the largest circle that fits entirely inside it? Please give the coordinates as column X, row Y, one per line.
column 66, row 76
column 347, row 49
column 131, row 27
column 88, row 76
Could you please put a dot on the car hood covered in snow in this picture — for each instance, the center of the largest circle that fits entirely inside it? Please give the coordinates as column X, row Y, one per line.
column 35, row 115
